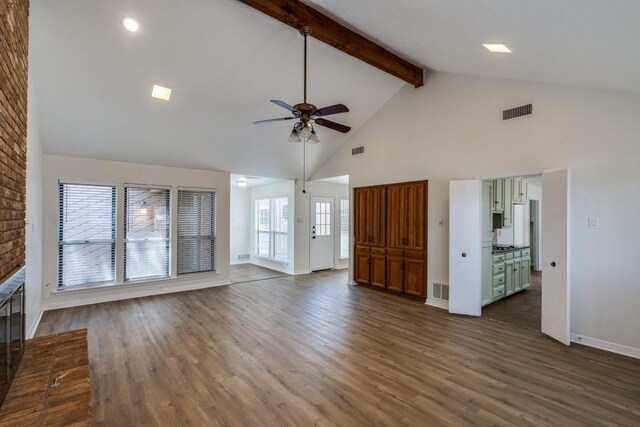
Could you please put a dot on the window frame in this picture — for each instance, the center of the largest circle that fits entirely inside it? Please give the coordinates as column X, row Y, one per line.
column 61, row 243
column 271, row 233
column 214, row 229
column 341, row 226
column 169, row 239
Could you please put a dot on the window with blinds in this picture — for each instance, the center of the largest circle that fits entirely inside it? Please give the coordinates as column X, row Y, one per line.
column 196, row 231
column 344, row 228
column 146, row 233
column 86, row 234
column 272, row 228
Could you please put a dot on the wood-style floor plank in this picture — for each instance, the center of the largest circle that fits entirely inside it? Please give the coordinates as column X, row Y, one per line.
column 310, row 350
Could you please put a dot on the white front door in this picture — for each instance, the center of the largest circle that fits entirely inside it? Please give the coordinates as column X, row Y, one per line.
column 323, row 229
column 465, row 247
column 556, row 271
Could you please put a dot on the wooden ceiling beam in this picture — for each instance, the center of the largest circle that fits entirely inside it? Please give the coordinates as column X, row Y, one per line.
column 297, row 14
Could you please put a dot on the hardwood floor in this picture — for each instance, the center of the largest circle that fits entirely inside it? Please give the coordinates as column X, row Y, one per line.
column 241, row 273
column 523, row 309
column 309, row 350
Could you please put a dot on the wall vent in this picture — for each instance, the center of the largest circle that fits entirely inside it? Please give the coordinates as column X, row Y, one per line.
column 512, row 113
column 357, row 150
column 440, row 291
column 243, row 256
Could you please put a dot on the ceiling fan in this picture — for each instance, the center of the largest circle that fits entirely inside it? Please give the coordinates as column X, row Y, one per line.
column 307, row 113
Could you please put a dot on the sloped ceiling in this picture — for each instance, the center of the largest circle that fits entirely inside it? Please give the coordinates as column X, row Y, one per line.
column 224, row 61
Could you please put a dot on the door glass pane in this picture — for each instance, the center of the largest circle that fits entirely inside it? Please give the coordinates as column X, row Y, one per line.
column 323, row 219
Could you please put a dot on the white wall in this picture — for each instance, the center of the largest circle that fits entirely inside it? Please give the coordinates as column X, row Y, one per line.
column 303, row 221
column 240, row 213
column 280, row 189
column 78, row 170
column 452, row 129
column 33, row 232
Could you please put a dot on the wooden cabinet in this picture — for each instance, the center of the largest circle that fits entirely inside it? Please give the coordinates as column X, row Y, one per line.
column 361, row 262
column 415, row 280
column 390, row 222
column 509, row 271
column 525, row 273
column 520, row 191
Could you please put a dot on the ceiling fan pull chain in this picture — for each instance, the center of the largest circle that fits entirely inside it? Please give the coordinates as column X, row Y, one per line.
column 304, row 166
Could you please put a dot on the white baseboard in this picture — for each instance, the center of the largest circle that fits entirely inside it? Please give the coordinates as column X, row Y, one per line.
column 244, row 261
column 34, row 325
column 122, row 293
column 606, row 345
column 437, row 303
column 301, row 272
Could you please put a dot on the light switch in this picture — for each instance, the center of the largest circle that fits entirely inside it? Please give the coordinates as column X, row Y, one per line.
column 594, row 222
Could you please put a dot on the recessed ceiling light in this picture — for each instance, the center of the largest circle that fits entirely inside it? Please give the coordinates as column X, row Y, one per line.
column 497, row 47
column 131, row 24
column 161, row 92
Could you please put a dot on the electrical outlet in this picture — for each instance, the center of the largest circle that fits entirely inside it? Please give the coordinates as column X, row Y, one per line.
column 594, row 222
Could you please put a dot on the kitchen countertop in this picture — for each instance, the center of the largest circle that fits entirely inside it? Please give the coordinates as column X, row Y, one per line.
column 495, row 249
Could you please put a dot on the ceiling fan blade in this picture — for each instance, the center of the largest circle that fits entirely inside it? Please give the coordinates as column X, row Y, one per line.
column 285, row 106
column 273, row 120
column 332, row 125
column 333, row 109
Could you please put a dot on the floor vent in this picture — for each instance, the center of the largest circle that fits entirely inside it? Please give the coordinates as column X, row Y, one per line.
column 512, row 113
column 440, row 291
column 357, row 150
column 243, row 256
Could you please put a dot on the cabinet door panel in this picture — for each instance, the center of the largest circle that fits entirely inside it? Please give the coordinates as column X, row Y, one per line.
column 376, row 214
column 378, row 270
column 361, row 265
column 517, row 286
column 395, row 273
column 507, row 218
column 508, row 274
column 498, row 195
column 416, row 217
column 360, row 216
column 396, row 216
column 415, row 280
column 525, row 273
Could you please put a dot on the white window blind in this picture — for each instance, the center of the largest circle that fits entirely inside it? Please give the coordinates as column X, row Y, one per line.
column 272, row 228
column 146, row 233
column 86, row 234
column 344, row 228
column 196, row 231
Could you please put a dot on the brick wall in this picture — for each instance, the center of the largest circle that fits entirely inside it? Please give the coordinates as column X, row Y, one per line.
column 13, row 132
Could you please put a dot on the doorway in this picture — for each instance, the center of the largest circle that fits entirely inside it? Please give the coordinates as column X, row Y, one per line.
column 466, row 266
column 322, row 246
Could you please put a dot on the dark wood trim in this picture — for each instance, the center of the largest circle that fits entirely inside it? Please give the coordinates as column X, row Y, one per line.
column 297, row 14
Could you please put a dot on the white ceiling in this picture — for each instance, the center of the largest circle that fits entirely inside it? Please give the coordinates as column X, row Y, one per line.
column 225, row 61
column 577, row 42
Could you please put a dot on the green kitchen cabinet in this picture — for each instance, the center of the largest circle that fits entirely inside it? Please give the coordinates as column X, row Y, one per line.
column 517, row 284
column 507, row 217
column 498, row 195
column 520, row 191
column 508, row 274
column 525, row 273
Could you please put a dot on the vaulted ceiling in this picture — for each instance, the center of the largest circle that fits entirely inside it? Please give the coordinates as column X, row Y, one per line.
column 225, row 61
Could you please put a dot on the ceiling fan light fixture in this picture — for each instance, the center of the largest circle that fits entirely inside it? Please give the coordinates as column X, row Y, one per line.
column 313, row 138
column 294, row 137
column 306, row 131
column 242, row 182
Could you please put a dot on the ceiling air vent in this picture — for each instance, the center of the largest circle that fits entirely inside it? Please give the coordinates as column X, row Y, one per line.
column 357, row 150
column 512, row 113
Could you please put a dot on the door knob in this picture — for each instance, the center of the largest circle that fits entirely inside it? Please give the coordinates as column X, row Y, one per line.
column 553, row 264
column 464, row 254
